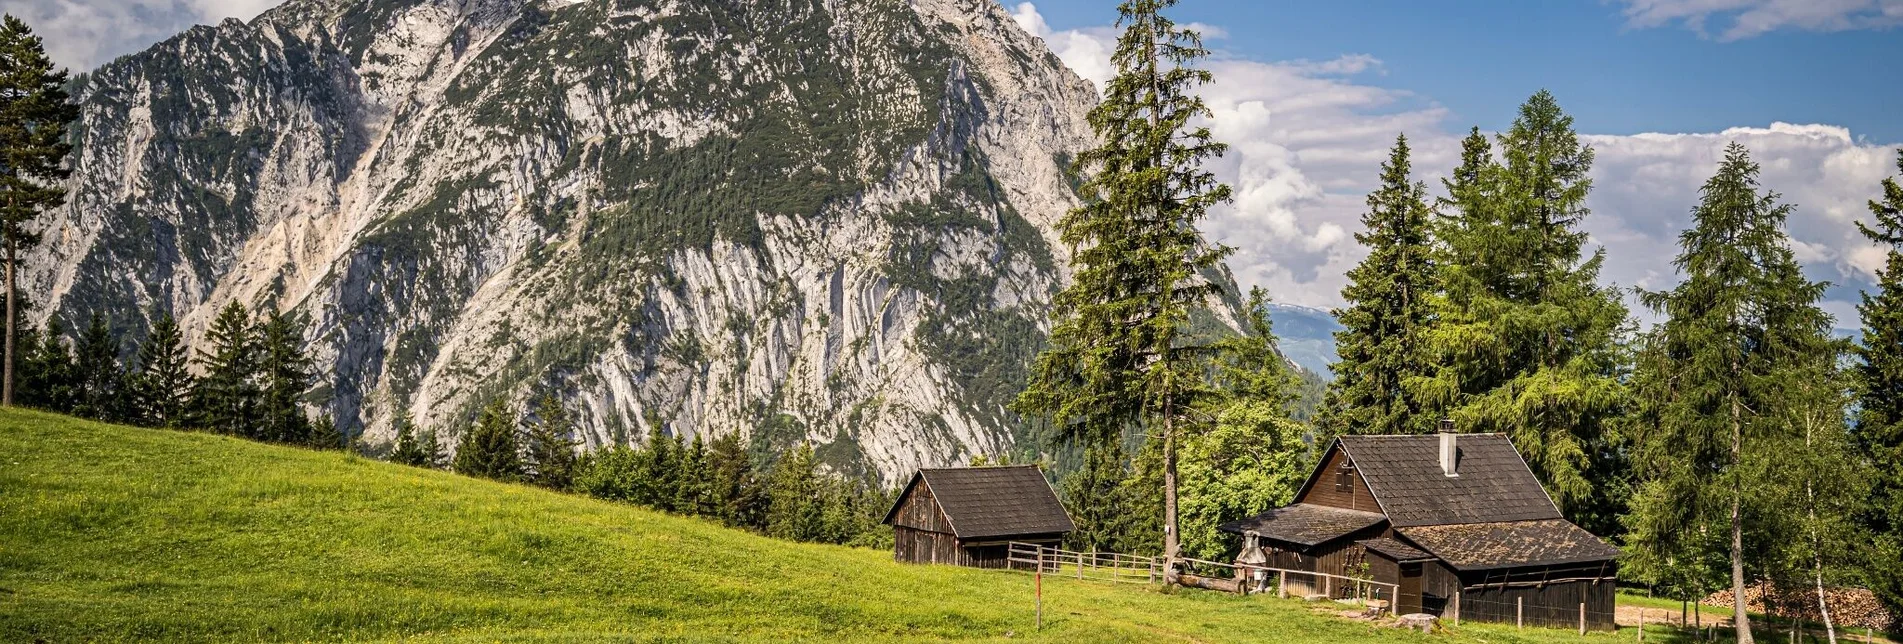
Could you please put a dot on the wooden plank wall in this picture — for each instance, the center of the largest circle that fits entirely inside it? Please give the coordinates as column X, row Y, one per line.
column 1552, row 605
column 1356, row 498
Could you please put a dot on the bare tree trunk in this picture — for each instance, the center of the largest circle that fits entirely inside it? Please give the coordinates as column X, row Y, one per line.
column 1172, row 546
column 6, row 380
column 1817, row 544
column 1740, row 620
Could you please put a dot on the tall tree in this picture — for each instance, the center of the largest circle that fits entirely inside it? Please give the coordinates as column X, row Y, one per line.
column 1527, row 342
column 163, row 385
column 101, row 382
column 1097, row 501
column 1117, row 359
column 285, row 373
column 408, row 447
column 691, row 495
column 1741, row 337
column 733, row 490
column 1879, row 379
column 1383, row 342
column 226, row 399
column 551, row 450
column 795, row 497
column 34, row 111
column 490, row 449
column 49, row 373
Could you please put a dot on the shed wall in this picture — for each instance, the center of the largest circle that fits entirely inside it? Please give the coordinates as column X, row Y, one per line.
column 1356, row 497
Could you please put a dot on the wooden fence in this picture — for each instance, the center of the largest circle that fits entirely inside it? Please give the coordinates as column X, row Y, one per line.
column 1242, row 579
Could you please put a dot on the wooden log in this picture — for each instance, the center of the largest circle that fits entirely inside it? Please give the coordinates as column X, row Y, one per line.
column 1209, row 583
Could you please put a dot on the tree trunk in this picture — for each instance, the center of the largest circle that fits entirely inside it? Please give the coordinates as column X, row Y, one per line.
column 1739, row 618
column 1817, row 544
column 6, row 380
column 1172, row 547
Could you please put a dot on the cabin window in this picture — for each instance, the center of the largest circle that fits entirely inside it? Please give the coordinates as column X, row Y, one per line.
column 1345, row 478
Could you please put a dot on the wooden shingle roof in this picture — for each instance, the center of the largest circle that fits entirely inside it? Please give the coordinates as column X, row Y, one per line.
column 983, row 502
column 1399, row 552
column 1304, row 524
column 1480, row 546
column 1404, row 476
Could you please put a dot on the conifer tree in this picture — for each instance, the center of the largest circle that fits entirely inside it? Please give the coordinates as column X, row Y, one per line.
column 34, row 113
column 285, row 373
column 1096, row 500
column 1879, row 380
column 794, row 497
column 658, row 481
column 1742, row 338
column 1117, row 360
column 49, row 373
column 1383, row 343
column 1526, row 342
column 489, row 449
column 431, row 447
column 733, row 491
column 551, row 450
column 164, row 381
column 101, row 383
column 691, row 496
column 227, row 397
column 408, row 449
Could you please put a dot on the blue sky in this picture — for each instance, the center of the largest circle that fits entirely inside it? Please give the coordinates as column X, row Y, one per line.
column 1481, row 58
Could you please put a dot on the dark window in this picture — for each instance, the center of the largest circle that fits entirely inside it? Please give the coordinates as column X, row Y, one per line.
column 1345, row 478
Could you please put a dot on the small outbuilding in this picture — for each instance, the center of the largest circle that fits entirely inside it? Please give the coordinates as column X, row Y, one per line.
column 1457, row 522
column 968, row 516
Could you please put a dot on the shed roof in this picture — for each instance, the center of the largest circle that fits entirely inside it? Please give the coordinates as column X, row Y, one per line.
column 1479, row 546
column 1305, row 524
column 992, row 501
column 1399, row 552
column 1403, row 475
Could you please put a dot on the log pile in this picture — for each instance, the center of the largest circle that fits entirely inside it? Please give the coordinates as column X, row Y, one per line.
column 1853, row 608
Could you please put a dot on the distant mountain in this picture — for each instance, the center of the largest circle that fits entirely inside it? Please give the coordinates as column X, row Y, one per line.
column 1307, row 336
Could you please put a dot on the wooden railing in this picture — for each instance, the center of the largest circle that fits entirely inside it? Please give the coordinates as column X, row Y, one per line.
column 1099, row 566
column 1242, row 579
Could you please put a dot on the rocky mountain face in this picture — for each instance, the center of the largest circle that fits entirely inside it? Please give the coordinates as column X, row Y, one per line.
column 805, row 220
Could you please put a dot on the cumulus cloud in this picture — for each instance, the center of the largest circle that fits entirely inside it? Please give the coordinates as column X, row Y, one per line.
column 1738, row 19
column 83, row 34
column 1307, row 140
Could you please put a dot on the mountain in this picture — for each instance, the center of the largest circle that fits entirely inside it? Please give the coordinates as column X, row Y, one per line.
column 805, row 220
column 1306, row 336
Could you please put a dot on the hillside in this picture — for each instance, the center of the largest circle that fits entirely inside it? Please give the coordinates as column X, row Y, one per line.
column 808, row 220
column 1307, row 336
column 115, row 533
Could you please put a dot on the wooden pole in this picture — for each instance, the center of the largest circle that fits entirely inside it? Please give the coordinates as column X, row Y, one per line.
column 1457, row 607
column 1040, row 596
column 1328, row 586
column 1582, row 618
column 1642, row 623
column 1519, row 612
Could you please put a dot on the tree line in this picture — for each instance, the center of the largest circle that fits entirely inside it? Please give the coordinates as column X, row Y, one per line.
column 1737, row 440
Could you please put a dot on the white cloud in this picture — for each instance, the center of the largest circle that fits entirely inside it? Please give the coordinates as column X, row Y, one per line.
column 1747, row 18
column 83, row 34
column 1307, row 140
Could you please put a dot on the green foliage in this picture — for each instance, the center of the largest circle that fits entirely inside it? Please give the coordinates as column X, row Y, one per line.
column 794, row 501
column 1879, row 385
column 163, row 384
column 1383, row 344
column 734, row 492
column 410, row 448
column 489, row 449
column 1099, row 504
column 284, row 376
column 227, row 399
column 48, row 379
column 550, row 447
column 1527, row 343
column 101, row 392
column 34, row 113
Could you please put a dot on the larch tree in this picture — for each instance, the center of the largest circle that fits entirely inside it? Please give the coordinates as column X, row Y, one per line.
column 1741, row 338
column 1879, row 380
column 1116, row 360
column 1383, row 344
column 34, row 112
column 163, row 383
column 1526, row 342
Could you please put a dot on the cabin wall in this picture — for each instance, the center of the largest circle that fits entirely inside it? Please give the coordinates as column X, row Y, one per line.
column 1324, row 491
column 920, row 511
column 1341, row 557
column 1544, row 595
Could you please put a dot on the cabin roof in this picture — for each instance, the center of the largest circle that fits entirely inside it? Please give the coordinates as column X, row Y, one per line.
column 984, row 502
column 1480, row 546
column 1404, row 476
column 1305, row 524
column 1392, row 549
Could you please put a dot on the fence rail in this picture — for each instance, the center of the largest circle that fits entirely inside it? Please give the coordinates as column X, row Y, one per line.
column 1238, row 578
column 1098, row 566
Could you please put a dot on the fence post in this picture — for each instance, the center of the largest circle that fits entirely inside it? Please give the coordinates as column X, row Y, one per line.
column 1642, row 624
column 1457, row 593
column 1582, row 618
column 1040, row 592
column 1281, row 584
column 1328, row 587
column 1519, row 612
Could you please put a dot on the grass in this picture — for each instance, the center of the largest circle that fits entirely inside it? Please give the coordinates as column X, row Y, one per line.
column 111, row 533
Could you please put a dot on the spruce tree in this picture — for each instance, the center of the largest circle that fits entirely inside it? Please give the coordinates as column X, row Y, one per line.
column 551, row 450
column 1741, row 349
column 163, row 384
column 1526, row 342
column 794, row 497
column 285, row 376
column 1382, row 344
column 101, row 383
column 408, row 448
column 1118, row 359
column 34, row 113
column 691, row 495
column 490, row 449
column 49, row 374
column 733, row 491
column 227, row 397
column 1096, row 500
column 1879, row 380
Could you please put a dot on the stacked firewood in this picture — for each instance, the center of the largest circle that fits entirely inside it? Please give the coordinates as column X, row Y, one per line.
column 1853, row 608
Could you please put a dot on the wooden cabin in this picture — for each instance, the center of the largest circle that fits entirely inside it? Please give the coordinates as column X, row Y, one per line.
column 968, row 516
column 1457, row 521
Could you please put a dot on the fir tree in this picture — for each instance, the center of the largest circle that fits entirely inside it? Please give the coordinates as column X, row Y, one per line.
column 285, row 374
column 227, row 397
column 100, row 382
column 408, row 449
column 1742, row 337
column 658, row 482
column 1116, row 360
column 1383, row 343
column 1879, row 380
column 34, row 113
column 794, row 501
column 733, row 490
column 163, row 384
column 691, row 496
column 432, row 449
column 49, row 374
column 1097, row 502
column 551, row 452
column 1526, row 342
column 489, row 449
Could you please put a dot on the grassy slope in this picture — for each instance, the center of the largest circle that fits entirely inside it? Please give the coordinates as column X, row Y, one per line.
column 111, row 533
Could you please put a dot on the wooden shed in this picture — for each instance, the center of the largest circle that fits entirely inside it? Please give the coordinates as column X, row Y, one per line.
column 968, row 516
column 1457, row 521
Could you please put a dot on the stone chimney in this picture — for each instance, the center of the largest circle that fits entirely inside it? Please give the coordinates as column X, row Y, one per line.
column 1449, row 448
